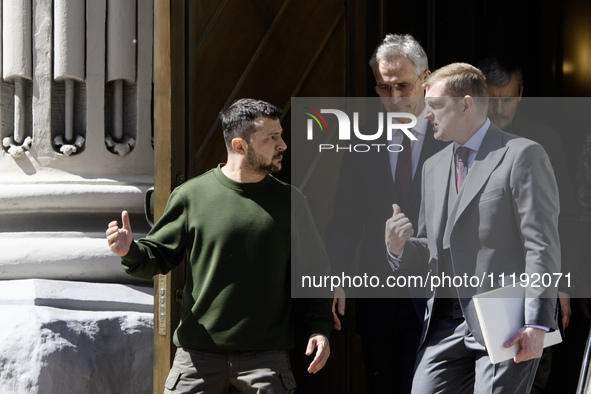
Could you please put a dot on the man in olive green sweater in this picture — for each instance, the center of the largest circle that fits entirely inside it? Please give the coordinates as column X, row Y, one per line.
column 234, row 224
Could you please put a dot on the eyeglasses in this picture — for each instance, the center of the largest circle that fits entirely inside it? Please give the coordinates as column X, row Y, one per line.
column 385, row 90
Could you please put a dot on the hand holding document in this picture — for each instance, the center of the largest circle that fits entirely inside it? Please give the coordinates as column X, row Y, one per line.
column 501, row 313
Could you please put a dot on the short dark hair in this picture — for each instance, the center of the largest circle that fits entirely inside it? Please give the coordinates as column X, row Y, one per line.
column 460, row 79
column 499, row 71
column 238, row 119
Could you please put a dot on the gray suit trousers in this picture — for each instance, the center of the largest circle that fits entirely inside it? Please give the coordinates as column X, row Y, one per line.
column 451, row 361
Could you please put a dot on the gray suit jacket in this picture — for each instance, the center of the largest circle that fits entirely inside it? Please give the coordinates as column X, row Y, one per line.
column 504, row 221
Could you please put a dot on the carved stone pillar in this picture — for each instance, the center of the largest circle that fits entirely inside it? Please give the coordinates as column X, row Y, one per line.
column 68, row 70
column 61, row 184
column 62, row 194
column 121, row 49
column 17, row 71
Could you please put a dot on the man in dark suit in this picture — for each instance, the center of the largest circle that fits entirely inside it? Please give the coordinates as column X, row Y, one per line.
column 489, row 207
column 368, row 183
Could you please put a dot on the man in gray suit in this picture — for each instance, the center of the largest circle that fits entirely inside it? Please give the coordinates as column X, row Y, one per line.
column 489, row 209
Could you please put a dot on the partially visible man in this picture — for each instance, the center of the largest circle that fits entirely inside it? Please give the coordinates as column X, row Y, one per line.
column 368, row 183
column 584, row 198
column 233, row 223
column 505, row 83
column 490, row 206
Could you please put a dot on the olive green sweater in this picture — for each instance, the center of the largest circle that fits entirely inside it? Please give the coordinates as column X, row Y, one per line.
column 236, row 238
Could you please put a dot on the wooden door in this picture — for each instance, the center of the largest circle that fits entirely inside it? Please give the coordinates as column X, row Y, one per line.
column 264, row 49
column 209, row 53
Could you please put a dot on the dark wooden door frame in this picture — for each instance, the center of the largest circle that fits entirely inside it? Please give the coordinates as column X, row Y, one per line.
column 169, row 163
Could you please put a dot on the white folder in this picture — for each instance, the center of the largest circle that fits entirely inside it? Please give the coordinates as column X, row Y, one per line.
column 501, row 313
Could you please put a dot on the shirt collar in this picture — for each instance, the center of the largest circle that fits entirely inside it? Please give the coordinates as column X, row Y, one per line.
column 476, row 140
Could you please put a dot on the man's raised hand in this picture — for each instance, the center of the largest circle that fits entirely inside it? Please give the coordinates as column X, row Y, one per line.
column 398, row 231
column 120, row 239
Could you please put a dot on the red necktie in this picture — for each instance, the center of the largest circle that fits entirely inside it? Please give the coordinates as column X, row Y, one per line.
column 403, row 174
column 463, row 154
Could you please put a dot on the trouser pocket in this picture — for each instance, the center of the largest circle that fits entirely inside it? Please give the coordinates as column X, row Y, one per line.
column 173, row 380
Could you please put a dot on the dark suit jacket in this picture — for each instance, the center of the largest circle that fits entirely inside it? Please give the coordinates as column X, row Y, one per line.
column 364, row 197
column 505, row 221
column 570, row 228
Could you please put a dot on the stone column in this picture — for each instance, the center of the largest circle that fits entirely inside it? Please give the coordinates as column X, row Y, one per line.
column 68, row 66
column 121, row 51
column 17, row 68
column 55, row 205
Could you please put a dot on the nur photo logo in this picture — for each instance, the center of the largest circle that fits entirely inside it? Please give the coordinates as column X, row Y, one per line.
column 388, row 122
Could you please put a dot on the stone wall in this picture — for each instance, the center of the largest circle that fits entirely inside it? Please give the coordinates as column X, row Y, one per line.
column 76, row 132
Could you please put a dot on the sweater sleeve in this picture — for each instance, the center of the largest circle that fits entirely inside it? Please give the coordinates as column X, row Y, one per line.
column 164, row 246
column 319, row 316
column 309, row 258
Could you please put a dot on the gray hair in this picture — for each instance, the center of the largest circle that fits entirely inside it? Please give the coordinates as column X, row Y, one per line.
column 499, row 72
column 396, row 45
